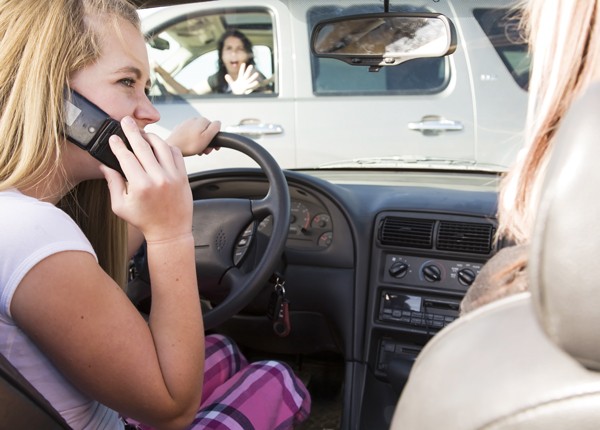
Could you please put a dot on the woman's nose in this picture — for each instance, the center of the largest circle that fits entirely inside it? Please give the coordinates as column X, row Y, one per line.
column 145, row 112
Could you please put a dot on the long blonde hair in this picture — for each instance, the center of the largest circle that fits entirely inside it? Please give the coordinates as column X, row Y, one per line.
column 564, row 39
column 42, row 43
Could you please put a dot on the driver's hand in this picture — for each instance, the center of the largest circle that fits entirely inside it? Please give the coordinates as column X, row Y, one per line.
column 246, row 81
column 193, row 135
column 156, row 197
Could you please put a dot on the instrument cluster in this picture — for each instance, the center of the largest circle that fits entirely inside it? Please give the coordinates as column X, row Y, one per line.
column 310, row 226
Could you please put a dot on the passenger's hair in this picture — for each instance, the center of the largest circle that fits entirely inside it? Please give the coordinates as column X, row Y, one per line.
column 564, row 38
column 222, row 70
column 42, row 43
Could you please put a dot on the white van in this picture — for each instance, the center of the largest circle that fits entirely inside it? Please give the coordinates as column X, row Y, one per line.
column 421, row 111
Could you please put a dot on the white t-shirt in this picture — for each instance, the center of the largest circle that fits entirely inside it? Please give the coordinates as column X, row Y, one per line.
column 31, row 230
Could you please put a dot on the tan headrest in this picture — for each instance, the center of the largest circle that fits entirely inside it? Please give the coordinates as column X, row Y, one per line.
column 564, row 267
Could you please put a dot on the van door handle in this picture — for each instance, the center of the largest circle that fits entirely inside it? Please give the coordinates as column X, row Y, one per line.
column 433, row 125
column 254, row 128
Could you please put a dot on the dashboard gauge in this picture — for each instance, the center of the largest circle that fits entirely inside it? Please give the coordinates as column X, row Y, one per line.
column 299, row 218
column 325, row 239
column 321, row 221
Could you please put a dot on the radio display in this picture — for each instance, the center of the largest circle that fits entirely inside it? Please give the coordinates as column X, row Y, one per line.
column 403, row 302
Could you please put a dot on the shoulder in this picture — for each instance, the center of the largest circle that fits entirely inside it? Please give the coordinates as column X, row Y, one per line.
column 23, row 217
column 32, row 230
column 213, row 81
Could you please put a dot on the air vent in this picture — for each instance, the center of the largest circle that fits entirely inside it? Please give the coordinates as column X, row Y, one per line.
column 415, row 233
column 465, row 237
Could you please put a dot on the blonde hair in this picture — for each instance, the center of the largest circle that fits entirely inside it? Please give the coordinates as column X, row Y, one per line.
column 564, row 41
column 41, row 45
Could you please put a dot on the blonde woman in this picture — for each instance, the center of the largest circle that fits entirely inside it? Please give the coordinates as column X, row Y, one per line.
column 564, row 38
column 65, row 323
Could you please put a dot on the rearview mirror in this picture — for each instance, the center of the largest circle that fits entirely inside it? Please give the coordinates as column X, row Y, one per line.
column 384, row 39
column 159, row 43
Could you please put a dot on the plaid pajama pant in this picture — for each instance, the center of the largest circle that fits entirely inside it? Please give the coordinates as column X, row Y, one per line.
column 236, row 395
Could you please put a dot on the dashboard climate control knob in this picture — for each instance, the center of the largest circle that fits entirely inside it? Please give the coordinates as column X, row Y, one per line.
column 432, row 273
column 398, row 269
column 466, row 277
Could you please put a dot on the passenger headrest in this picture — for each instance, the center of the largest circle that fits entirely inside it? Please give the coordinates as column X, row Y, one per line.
column 564, row 266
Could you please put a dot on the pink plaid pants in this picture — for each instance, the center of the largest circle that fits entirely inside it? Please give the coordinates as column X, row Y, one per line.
column 265, row 395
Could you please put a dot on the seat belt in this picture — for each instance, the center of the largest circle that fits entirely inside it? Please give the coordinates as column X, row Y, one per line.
column 22, row 405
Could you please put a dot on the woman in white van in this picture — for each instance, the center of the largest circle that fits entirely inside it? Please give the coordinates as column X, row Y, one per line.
column 236, row 74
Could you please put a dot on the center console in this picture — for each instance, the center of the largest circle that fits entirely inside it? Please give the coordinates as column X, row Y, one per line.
column 422, row 265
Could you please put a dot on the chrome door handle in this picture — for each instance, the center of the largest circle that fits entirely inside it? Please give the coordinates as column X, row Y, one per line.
column 433, row 125
column 254, row 128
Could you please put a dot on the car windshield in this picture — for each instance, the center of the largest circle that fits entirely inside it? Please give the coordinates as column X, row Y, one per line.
column 463, row 111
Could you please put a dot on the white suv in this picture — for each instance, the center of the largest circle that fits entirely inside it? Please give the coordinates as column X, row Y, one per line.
column 464, row 109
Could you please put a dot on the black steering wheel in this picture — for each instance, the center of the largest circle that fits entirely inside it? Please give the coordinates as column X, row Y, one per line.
column 217, row 226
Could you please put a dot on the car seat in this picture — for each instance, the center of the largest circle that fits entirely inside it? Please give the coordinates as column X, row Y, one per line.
column 532, row 360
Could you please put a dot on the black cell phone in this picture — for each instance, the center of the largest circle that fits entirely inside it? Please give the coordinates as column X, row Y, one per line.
column 89, row 127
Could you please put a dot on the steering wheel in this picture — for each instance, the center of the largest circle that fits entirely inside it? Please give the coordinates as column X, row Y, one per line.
column 218, row 225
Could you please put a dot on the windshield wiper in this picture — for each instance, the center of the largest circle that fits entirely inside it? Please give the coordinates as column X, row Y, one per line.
column 399, row 161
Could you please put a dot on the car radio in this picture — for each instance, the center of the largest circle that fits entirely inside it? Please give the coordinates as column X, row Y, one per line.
column 417, row 311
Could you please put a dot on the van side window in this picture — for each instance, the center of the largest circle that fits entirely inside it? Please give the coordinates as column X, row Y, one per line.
column 503, row 29
column 333, row 77
column 184, row 57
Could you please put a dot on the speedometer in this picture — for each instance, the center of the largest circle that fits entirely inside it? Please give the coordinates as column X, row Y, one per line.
column 299, row 218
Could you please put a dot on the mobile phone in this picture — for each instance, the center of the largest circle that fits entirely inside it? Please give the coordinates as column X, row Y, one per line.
column 89, row 127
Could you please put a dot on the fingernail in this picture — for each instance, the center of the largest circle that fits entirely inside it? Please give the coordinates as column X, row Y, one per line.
column 129, row 121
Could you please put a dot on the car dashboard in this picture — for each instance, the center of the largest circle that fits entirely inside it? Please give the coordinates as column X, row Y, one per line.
column 375, row 264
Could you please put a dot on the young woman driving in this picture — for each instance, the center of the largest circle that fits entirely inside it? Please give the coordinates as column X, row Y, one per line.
column 65, row 322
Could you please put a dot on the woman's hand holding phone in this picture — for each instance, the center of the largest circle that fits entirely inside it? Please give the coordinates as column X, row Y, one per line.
column 155, row 197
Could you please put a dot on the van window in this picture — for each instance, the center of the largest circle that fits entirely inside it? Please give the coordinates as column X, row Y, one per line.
column 503, row 29
column 418, row 76
column 185, row 60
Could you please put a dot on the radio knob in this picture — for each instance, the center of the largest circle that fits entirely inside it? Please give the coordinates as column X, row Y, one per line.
column 398, row 269
column 466, row 277
column 432, row 273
